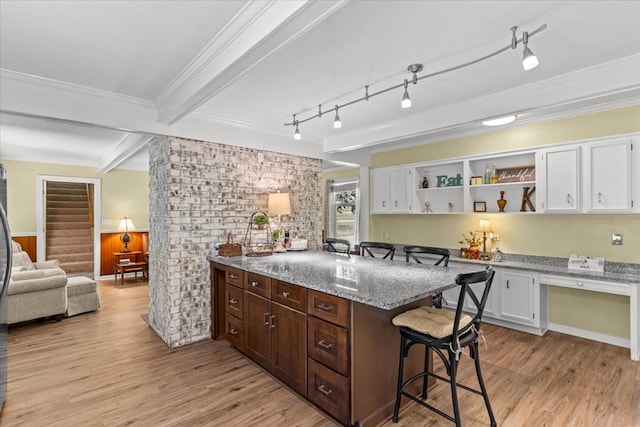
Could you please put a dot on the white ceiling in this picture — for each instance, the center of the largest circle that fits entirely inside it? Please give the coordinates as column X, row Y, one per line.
column 86, row 82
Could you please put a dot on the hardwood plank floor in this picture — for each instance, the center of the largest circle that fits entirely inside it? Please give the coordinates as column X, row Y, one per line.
column 110, row 369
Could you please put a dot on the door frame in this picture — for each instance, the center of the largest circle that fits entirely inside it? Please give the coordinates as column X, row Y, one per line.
column 41, row 232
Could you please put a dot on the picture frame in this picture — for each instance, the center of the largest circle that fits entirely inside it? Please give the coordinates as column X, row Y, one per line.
column 479, row 206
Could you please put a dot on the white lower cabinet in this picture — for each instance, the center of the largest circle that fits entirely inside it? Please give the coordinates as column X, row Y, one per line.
column 517, row 297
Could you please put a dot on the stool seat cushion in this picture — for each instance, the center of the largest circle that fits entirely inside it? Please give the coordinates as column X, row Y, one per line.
column 431, row 321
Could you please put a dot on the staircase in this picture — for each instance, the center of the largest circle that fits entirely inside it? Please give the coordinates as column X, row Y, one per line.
column 69, row 227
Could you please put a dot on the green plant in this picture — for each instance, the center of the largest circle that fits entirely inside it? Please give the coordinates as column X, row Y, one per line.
column 275, row 235
column 260, row 219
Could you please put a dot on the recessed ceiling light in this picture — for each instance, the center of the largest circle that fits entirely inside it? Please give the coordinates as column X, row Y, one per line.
column 499, row 121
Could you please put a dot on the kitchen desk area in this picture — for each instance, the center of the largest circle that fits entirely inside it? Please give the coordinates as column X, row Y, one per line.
column 321, row 323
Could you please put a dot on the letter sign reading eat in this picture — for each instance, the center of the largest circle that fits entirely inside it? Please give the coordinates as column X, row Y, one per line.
column 447, row 181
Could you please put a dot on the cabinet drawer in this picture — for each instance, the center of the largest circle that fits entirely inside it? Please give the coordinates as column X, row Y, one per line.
column 290, row 295
column 329, row 391
column 328, row 307
column 233, row 301
column 328, row 344
column 233, row 276
column 234, row 331
column 258, row 284
column 588, row 285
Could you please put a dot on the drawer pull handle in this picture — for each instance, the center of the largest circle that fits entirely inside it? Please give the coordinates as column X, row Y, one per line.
column 233, row 301
column 507, row 284
column 254, row 284
column 324, row 390
column 233, row 331
column 325, row 307
column 233, row 276
column 599, row 197
column 324, row 344
column 273, row 321
column 285, row 294
column 266, row 318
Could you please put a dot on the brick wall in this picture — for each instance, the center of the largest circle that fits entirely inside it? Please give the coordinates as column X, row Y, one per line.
column 199, row 191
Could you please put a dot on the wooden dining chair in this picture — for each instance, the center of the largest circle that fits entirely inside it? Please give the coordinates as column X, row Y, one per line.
column 366, row 249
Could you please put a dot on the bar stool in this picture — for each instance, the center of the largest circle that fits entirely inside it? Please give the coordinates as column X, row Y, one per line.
column 447, row 334
column 365, row 249
column 441, row 255
column 338, row 245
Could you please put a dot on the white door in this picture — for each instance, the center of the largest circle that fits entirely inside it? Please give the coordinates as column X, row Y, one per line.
column 608, row 176
column 560, row 172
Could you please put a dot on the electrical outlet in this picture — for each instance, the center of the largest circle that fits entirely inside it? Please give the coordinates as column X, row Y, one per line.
column 616, row 239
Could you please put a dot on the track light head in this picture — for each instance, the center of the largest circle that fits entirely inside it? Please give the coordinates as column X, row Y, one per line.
column 296, row 134
column 529, row 59
column 406, row 100
column 337, row 123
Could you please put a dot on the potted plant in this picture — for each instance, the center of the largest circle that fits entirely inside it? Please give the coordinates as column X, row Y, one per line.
column 275, row 235
column 260, row 220
column 474, row 245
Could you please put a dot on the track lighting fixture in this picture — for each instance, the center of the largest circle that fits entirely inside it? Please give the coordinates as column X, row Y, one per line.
column 529, row 62
column 406, row 101
column 336, row 122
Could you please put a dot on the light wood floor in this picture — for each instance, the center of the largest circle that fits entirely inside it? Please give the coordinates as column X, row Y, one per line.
column 110, row 369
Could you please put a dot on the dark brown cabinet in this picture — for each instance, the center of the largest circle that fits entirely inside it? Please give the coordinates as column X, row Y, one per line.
column 276, row 335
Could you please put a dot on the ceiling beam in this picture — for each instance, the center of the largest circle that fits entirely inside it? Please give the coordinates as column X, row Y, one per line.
column 259, row 30
column 127, row 146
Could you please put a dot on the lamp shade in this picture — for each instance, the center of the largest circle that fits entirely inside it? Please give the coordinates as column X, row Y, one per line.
column 485, row 226
column 279, row 204
column 126, row 225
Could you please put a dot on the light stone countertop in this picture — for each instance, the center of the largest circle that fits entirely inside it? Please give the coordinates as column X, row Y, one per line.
column 371, row 281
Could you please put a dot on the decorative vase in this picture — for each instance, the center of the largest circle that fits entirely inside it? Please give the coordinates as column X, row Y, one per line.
column 473, row 252
column 464, row 253
column 501, row 202
column 425, row 182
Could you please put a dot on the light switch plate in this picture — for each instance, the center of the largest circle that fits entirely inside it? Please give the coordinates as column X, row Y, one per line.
column 616, row 239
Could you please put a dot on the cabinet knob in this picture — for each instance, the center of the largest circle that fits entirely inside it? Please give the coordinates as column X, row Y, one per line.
column 233, row 301
column 233, row 332
column 233, row 276
column 285, row 294
column 254, row 284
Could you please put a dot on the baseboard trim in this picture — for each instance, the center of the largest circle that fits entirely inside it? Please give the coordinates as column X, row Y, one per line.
column 590, row 335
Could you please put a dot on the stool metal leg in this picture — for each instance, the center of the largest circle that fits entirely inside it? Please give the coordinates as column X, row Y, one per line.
column 425, row 380
column 396, row 409
column 476, row 358
column 453, row 369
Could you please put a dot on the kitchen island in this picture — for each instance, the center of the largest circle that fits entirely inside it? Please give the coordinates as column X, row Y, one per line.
column 321, row 323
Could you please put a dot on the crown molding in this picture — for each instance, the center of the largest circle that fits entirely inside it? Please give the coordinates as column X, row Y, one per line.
column 43, row 83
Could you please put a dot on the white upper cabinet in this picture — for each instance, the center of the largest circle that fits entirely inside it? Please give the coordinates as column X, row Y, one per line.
column 559, row 172
column 607, row 176
column 390, row 190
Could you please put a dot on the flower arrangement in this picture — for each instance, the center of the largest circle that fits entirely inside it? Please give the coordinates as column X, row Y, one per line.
column 473, row 240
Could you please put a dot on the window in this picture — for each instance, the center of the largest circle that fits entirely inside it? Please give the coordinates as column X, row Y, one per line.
column 343, row 210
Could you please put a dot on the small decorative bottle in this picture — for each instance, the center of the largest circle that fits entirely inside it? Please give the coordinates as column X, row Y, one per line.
column 487, row 174
column 425, row 182
column 494, row 175
column 501, row 202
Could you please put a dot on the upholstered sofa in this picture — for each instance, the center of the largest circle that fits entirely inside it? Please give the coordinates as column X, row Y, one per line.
column 36, row 289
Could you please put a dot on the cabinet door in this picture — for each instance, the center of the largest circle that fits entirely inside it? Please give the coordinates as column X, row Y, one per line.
column 257, row 329
column 398, row 190
column 288, row 347
column 490, row 306
column 607, row 176
column 380, row 190
column 517, row 295
column 560, row 179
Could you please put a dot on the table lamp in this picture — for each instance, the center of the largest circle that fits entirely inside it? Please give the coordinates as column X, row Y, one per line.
column 279, row 204
column 484, row 228
column 126, row 225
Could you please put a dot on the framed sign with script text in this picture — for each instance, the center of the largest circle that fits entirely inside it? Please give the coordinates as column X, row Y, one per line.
column 516, row 174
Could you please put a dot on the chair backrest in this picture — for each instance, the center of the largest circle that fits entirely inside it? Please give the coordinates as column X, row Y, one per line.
column 365, row 249
column 465, row 280
column 338, row 245
column 443, row 253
